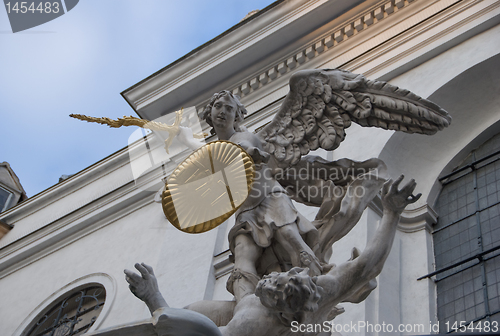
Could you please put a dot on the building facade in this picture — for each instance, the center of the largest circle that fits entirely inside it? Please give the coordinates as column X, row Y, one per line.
column 79, row 235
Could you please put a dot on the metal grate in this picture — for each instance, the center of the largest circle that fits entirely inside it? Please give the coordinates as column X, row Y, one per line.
column 467, row 240
column 71, row 315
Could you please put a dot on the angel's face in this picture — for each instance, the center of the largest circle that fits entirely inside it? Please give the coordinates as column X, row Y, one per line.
column 224, row 113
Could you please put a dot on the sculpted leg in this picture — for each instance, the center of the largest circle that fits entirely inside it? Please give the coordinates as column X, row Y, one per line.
column 244, row 278
column 300, row 253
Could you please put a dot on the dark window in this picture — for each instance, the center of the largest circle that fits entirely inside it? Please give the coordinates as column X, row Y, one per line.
column 4, row 199
column 71, row 314
column 467, row 240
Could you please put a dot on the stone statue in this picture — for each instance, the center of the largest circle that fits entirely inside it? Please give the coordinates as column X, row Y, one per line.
column 287, row 302
column 269, row 234
column 281, row 275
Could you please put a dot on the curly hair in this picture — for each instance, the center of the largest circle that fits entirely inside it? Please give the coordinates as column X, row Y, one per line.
column 293, row 292
column 240, row 109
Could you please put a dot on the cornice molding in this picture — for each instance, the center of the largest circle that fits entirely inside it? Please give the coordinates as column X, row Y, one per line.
column 72, row 227
column 413, row 220
column 328, row 42
column 375, row 38
column 4, row 228
column 409, row 35
column 62, row 189
column 380, row 39
column 223, row 52
column 430, row 31
column 236, row 53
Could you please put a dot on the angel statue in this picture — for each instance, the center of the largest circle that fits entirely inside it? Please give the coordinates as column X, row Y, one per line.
column 269, row 233
column 285, row 303
column 271, row 242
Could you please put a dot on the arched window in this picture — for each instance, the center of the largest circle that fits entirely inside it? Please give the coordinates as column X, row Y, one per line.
column 467, row 241
column 71, row 314
column 80, row 306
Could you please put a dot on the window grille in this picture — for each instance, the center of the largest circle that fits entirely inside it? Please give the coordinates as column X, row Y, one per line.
column 467, row 240
column 5, row 198
column 70, row 315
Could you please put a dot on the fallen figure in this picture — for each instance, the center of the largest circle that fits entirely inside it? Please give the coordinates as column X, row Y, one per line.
column 286, row 299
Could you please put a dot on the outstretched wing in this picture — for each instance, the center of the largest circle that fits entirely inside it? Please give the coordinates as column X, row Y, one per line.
column 321, row 104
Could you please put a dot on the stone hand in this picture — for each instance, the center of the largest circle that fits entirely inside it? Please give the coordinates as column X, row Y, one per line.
column 144, row 286
column 396, row 200
column 258, row 156
column 185, row 134
column 186, row 137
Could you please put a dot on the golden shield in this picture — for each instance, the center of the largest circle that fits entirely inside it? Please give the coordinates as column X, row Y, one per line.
column 208, row 187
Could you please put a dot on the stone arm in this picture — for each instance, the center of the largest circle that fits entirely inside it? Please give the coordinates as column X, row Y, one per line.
column 344, row 280
column 145, row 287
column 186, row 137
column 167, row 321
column 249, row 141
column 252, row 145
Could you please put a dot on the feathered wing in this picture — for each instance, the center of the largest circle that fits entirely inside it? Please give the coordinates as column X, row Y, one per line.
column 321, row 104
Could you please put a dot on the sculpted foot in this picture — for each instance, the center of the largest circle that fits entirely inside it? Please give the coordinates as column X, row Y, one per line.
column 311, row 262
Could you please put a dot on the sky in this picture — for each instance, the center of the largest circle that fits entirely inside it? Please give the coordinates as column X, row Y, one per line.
column 79, row 63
